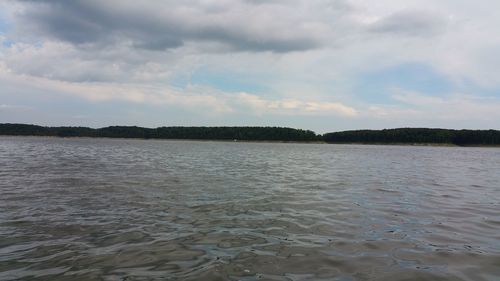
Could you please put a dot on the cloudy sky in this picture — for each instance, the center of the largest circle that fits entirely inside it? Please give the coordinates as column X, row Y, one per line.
column 324, row 65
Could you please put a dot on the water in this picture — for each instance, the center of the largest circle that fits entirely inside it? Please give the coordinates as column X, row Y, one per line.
column 99, row 209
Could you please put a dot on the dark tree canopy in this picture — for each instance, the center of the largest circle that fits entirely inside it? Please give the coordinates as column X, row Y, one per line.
column 416, row 136
column 196, row 133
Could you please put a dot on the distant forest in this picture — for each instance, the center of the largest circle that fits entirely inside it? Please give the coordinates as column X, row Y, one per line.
column 194, row 133
column 386, row 136
column 416, row 136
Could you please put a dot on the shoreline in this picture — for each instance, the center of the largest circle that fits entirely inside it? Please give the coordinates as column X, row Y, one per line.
column 166, row 139
column 261, row 141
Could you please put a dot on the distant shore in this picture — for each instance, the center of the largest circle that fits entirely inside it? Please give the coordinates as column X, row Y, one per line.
column 399, row 136
column 262, row 141
column 159, row 139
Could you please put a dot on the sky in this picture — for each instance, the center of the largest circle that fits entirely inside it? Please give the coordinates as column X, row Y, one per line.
column 324, row 65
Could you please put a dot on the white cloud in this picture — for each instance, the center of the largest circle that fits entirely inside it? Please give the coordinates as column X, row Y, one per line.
column 294, row 106
column 14, row 107
column 191, row 97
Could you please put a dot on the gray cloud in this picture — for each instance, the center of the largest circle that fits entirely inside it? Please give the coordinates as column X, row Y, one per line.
column 123, row 41
column 411, row 23
column 241, row 26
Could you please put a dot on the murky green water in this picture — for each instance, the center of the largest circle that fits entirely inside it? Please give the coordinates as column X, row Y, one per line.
column 97, row 209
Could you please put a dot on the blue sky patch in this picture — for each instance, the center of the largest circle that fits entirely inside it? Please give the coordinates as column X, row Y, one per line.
column 378, row 87
column 5, row 26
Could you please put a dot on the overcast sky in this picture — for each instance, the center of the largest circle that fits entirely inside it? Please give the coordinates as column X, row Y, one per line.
column 324, row 65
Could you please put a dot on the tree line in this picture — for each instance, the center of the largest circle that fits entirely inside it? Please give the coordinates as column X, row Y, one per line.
column 386, row 136
column 195, row 133
column 416, row 136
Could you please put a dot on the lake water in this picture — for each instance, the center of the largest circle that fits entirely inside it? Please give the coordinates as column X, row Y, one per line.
column 103, row 209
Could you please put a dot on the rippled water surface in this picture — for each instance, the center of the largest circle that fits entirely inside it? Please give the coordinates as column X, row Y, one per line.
column 98, row 209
